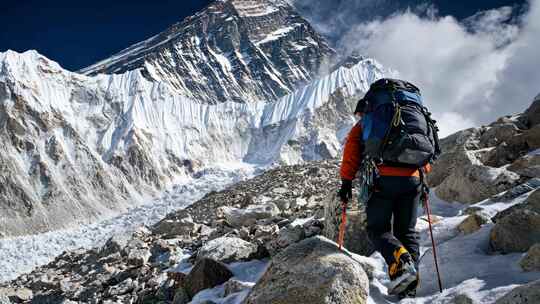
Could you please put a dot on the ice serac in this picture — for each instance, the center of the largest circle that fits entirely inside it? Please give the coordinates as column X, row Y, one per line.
column 78, row 148
column 233, row 50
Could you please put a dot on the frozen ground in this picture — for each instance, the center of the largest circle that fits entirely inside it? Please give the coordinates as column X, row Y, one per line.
column 22, row 254
column 467, row 266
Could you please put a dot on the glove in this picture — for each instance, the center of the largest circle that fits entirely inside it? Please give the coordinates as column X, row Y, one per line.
column 345, row 193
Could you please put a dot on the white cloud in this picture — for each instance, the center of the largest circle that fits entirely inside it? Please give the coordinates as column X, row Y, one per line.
column 470, row 72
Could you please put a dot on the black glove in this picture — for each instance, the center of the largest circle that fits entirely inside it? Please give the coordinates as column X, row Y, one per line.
column 345, row 193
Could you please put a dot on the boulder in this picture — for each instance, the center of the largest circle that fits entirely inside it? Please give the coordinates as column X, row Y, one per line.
column 115, row 244
column 234, row 286
column 525, row 294
column 227, row 250
column 531, row 261
column 286, row 237
column 356, row 237
column 473, row 223
column 447, row 162
column 472, row 184
column 506, row 152
column 137, row 252
column 498, row 133
column 517, row 231
column 312, row 271
column 169, row 228
column 527, row 166
column 248, row 216
column 463, row 140
column 206, row 273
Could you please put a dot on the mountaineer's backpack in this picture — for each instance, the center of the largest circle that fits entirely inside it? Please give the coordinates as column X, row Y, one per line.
column 397, row 129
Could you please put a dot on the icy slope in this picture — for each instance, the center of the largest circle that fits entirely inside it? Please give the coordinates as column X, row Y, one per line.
column 78, row 148
column 233, row 50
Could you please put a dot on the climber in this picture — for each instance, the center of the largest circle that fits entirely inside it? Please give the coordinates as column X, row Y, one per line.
column 391, row 146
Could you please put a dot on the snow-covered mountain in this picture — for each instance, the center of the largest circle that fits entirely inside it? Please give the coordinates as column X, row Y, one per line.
column 233, row 50
column 78, row 148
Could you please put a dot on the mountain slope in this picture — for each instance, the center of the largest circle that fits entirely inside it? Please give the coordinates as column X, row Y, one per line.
column 233, row 50
column 80, row 148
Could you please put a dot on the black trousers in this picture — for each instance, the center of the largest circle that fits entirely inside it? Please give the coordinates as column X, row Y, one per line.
column 395, row 198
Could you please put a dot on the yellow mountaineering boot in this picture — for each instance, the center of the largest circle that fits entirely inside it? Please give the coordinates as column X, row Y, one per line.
column 402, row 272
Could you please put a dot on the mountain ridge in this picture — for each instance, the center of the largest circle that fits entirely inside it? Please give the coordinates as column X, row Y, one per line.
column 232, row 50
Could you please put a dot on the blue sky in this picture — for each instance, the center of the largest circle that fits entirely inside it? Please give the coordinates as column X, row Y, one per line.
column 79, row 33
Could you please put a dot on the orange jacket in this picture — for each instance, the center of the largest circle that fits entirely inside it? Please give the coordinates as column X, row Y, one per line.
column 352, row 159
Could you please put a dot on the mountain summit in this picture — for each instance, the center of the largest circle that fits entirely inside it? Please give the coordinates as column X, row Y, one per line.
column 233, row 50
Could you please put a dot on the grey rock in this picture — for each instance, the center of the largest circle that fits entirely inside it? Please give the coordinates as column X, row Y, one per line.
column 234, row 286
column 473, row 223
column 447, row 162
column 286, row 236
column 526, row 294
column 227, row 250
column 475, row 183
column 498, row 133
column 245, row 217
column 205, row 274
column 115, row 244
column 312, row 271
column 138, row 257
column 137, row 252
column 531, row 261
column 124, row 287
column 468, row 139
column 175, row 227
column 516, row 232
column 506, row 152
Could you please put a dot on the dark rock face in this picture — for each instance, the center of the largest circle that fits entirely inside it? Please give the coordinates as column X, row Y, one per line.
column 207, row 273
column 233, row 50
column 533, row 112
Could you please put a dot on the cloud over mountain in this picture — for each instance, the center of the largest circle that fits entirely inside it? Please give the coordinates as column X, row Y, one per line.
column 471, row 71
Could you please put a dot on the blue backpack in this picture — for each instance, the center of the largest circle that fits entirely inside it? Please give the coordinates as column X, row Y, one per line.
column 397, row 128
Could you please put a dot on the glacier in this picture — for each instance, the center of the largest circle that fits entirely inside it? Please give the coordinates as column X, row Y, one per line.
column 82, row 148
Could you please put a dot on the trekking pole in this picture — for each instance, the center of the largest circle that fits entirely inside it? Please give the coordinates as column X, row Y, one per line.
column 426, row 205
column 342, row 226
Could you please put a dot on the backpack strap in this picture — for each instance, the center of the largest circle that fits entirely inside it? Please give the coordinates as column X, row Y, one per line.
column 434, row 129
column 396, row 120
